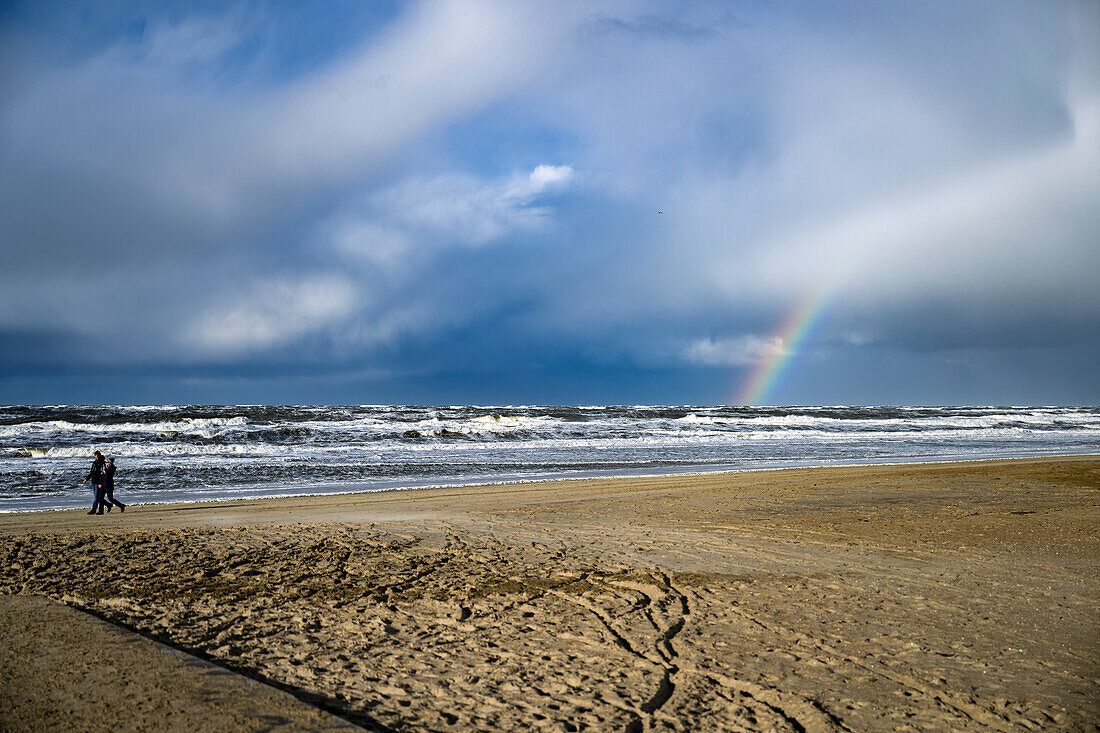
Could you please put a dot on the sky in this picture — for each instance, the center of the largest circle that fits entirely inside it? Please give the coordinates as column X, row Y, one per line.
column 594, row 202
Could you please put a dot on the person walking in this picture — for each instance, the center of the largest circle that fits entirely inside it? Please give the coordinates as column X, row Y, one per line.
column 107, row 495
column 96, row 477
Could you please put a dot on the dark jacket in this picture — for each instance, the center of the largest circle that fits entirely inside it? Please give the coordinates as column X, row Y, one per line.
column 109, row 476
column 96, row 474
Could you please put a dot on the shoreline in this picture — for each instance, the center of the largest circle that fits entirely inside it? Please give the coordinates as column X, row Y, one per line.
column 950, row 595
column 610, row 474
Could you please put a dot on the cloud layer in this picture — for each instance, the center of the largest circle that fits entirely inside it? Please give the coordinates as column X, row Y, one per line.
column 463, row 185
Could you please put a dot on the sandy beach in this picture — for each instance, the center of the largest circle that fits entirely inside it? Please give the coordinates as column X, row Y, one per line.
column 918, row 597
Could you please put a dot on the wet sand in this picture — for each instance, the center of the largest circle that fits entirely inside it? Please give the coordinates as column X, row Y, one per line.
column 929, row 597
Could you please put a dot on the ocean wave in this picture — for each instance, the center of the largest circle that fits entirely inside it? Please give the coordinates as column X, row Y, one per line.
column 164, row 447
column 201, row 426
column 287, row 441
column 146, row 450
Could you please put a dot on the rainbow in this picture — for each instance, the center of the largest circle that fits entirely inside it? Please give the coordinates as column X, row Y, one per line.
column 793, row 331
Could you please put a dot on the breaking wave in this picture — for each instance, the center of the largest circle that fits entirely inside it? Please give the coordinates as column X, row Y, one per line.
column 178, row 452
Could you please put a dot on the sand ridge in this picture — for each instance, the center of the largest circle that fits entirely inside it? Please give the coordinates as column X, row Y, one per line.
column 951, row 596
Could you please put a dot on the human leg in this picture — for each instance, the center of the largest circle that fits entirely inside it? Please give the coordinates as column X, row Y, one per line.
column 99, row 499
column 112, row 500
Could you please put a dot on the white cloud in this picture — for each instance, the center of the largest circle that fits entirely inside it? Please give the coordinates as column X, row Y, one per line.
column 446, row 59
column 137, row 114
column 548, row 176
column 888, row 172
column 271, row 313
column 394, row 237
column 143, row 155
column 359, row 239
column 409, row 221
column 857, row 339
column 909, row 163
column 733, row 351
column 1006, row 231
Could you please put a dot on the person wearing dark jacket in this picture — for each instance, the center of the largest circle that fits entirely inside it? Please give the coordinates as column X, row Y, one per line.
column 96, row 477
column 107, row 493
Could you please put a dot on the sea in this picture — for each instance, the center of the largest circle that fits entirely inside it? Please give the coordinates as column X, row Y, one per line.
column 176, row 453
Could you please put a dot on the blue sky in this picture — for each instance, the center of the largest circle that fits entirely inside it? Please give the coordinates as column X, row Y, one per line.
column 457, row 202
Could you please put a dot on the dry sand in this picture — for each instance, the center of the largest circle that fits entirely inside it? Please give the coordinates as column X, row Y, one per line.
column 932, row 597
column 67, row 670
